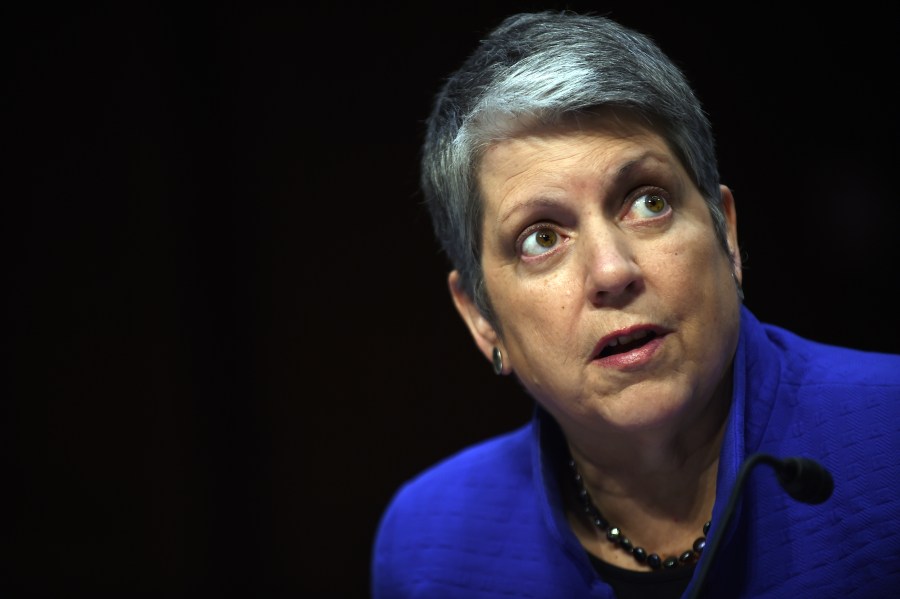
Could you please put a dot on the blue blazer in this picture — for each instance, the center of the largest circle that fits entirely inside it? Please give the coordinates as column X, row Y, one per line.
column 489, row 521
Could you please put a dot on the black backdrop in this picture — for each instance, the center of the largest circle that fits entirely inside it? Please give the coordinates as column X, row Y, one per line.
column 228, row 336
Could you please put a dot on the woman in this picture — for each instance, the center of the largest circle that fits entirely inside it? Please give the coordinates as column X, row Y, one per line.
column 572, row 181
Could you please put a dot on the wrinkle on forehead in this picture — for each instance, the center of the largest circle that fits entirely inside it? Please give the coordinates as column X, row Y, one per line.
column 524, row 169
column 608, row 122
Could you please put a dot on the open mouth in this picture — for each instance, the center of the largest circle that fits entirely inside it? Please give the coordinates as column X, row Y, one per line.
column 627, row 343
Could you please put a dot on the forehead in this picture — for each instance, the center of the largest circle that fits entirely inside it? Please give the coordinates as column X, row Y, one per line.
column 604, row 142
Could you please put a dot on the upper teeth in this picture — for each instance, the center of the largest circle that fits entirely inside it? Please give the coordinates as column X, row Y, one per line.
column 627, row 338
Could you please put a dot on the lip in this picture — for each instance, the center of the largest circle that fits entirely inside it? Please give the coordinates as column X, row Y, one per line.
column 631, row 359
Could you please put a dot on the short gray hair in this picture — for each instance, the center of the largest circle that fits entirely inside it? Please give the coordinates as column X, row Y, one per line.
column 537, row 69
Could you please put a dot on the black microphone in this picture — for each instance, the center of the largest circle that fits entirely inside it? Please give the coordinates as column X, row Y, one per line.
column 804, row 479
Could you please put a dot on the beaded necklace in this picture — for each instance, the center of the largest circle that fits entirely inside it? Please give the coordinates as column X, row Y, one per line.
column 615, row 535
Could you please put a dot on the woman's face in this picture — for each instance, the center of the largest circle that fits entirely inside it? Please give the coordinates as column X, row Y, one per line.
column 615, row 300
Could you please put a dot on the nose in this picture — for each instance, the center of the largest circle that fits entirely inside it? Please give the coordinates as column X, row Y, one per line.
column 612, row 274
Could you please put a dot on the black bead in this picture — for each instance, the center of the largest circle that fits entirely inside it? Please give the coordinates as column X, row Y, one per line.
column 615, row 536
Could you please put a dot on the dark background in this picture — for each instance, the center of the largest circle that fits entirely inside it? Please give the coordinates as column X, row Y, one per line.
column 228, row 335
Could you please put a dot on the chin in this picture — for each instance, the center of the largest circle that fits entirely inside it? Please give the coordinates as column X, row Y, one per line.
column 646, row 411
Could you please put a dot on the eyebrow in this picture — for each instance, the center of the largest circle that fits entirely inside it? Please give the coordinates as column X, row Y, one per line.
column 624, row 170
column 621, row 173
column 535, row 202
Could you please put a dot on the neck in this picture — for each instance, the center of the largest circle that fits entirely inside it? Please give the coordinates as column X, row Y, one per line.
column 657, row 472
column 659, row 486
column 663, row 527
column 664, row 461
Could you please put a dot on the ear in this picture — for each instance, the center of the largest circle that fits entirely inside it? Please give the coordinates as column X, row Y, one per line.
column 728, row 208
column 482, row 331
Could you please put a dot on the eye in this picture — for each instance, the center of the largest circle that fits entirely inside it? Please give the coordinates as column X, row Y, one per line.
column 540, row 242
column 650, row 205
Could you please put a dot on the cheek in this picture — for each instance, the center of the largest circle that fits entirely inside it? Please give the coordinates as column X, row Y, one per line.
column 692, row 268
column 540, row 309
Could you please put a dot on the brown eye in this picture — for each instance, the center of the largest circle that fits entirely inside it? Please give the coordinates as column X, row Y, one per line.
column 545, row 238
column 649, row 205
column 540, row 242
column 654, row 203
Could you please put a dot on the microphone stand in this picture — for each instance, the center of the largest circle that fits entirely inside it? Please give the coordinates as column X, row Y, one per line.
column 804, row 479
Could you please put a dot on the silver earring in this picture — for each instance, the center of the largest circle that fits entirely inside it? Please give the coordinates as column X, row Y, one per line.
column 498, row 361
